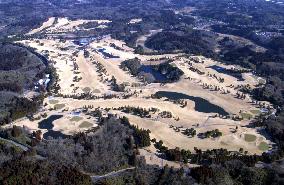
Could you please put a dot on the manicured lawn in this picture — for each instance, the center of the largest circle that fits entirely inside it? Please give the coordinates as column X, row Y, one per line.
column 96, row 91
column 255, row 111
column 246, row 115
column 250, row 137
column 59, row 106
column 85, row 124
column 223, row 143
column 53, row 101
column 76, row 118
column 263, row 146
column 87, row 89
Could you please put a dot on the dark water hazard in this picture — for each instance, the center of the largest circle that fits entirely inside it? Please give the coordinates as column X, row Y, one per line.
column 227, row 72
column 84, row 41
column 201, row 105
column 48, row 124
column 54, row 134
column 107, row 55
column 157, row 75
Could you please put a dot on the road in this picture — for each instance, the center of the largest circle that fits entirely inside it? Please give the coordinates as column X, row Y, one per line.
column 24, row 148
column 111, row 174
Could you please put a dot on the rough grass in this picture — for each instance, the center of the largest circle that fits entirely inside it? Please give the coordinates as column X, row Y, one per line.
column 250, row 137
column 85, row 124
column 76, row 118
column 53, row 101
column 246, row 115
column 59, row 106
column 263, row 146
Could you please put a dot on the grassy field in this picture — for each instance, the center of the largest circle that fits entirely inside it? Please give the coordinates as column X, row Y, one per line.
column 255, row 111
column 53, row 101
column 96, row 91
column 85, row 124
column 87, row 89
column 250, row 137
column 246, row 115
column 76, row 118
column 263, row 146
column 59, row 106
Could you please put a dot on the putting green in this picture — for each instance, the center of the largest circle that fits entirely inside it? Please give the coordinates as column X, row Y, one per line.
column 76, row 118
column 263, row 146
column 96, row 91
column 86, row 89
column 85, row 124
column 250, row 137
column 255, row 111
column 59, row 106
column 246, row 115
column 223, row 143
column 53, row 101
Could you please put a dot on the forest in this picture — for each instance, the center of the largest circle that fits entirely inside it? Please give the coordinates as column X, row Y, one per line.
column 106, row 149
column 195, row 42
column 27, row 68
column 161, row 73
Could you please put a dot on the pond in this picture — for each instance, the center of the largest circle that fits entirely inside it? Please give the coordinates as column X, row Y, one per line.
column 48, row 124
column 157, row 75
column 81, row 42
column 227, row 72
column 54, row 134
column 201, row 105
column 106, row 54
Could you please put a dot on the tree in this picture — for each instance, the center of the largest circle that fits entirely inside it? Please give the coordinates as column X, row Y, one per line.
column 16, row 131
column 253, row 176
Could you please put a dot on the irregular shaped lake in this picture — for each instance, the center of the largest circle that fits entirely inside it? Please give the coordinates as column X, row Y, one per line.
column 54, row 134
column 48, row 124
column 201, row 105
column 157, row 75
column 106, row 54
